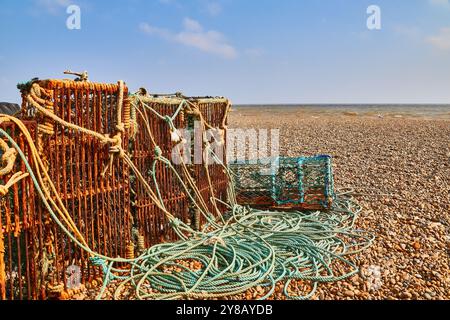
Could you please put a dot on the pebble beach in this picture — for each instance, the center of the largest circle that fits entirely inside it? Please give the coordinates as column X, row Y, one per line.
column 399, row 168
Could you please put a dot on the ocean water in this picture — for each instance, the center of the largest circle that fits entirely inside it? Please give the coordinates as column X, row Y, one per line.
column 440, row 111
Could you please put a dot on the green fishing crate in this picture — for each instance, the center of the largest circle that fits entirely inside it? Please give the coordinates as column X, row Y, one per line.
column 304, row 183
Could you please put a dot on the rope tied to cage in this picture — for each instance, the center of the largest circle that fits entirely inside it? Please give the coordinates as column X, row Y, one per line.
column 99, row 262
column 47, row 189
column 46, row 108
column 102, row 138
column 116, row 140
column 36, row 93
column 8, row 158
column 15, row 178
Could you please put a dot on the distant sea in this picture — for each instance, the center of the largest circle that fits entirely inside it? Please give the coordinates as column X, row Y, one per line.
column 394, row 110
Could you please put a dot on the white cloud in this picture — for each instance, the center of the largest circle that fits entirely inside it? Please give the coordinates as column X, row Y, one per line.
column 53, row 6
column 193, row 35
column 440, row 3
column 441, row 40
column 155, row 31
column 192, row 25
column 210, row 41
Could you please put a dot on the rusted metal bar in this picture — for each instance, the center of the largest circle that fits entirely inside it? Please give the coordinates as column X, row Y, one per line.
column 20, row 230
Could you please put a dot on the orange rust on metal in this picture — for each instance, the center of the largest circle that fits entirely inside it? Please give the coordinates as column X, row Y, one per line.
column 263, row 200
column 215, row 114
column 150, row 221
column 21, row 239
column 100, row 206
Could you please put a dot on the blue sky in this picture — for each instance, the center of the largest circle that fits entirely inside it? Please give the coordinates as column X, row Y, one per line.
column 252, row 51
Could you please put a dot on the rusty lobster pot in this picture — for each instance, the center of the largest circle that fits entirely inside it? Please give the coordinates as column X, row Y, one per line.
column 99, row 204
column 152, row 222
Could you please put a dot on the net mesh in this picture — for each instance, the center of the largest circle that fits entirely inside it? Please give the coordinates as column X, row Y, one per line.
column 301, row 183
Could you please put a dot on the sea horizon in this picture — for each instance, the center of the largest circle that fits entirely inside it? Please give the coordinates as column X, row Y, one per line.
column 340, row 104
column 434, row 111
